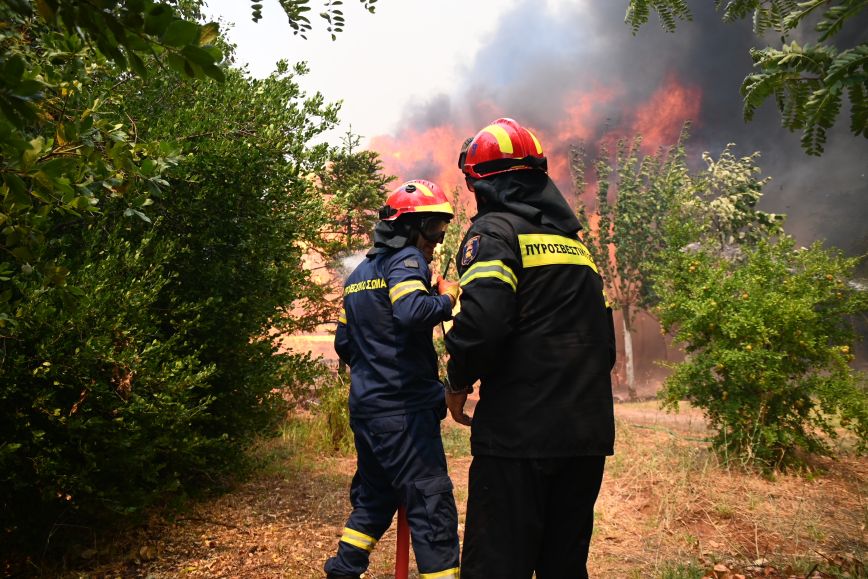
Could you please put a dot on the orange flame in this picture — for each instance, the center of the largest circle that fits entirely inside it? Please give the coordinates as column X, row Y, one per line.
column 423, row 154
column 659, row 121
column 432, row 153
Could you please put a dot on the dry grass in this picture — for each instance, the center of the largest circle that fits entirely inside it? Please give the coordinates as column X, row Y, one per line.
column 668, row 509
column 667, row 500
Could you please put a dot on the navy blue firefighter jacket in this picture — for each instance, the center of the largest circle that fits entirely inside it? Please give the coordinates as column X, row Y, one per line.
column 385, row 335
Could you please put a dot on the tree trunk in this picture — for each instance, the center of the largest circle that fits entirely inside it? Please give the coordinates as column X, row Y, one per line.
column 628, row 355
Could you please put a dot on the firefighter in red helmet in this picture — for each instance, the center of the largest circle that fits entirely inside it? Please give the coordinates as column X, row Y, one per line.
column 384, row 335
column 535, row 331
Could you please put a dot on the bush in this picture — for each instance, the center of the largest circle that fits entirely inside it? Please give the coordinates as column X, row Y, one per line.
column 136, row 355
column 769, row 339
column 97, row 405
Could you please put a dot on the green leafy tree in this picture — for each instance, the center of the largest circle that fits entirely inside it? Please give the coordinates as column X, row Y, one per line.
column 166, row 221
column 62, row 152
column 808, row 81
column 767, row 327
column 626, row 232
column 356, row 187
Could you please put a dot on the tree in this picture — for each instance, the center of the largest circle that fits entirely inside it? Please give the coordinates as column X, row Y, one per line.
column 296, row 9
column 356, row 186
column 444, row 262
column 808, row 81
column 155, row 231
column 625, row 233
column 767, row 328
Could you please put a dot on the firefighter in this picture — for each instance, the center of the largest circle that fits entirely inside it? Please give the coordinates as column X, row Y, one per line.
column 534, row 329
column 385, row 336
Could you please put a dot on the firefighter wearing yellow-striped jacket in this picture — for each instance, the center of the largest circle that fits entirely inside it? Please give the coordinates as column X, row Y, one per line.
column 535, row 330
column 396, row 399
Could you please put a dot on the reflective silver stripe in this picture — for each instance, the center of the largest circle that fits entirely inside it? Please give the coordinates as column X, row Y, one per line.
column 357, row 539
column 447, row 574
column 496, row 269
column 406, row 287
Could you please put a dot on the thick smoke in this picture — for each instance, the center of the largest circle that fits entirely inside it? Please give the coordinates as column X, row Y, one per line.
column 578, row 73
column 540, row 62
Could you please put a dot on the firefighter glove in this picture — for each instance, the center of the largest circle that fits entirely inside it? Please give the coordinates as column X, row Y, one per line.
column 450, row 288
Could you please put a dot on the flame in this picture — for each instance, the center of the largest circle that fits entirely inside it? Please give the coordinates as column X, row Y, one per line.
column 660, row 120
column 432, row 152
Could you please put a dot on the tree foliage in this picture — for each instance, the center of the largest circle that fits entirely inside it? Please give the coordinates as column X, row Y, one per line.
column 808, row 81
column 625, row 235
column 154, row 229
column 768, row 328
column 297, row 13
column 356, row 187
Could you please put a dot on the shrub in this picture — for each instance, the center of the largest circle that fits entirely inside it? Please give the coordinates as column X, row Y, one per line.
column 769, row 337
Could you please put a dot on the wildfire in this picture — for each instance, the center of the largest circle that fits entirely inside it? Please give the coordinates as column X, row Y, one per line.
column 659, row 121
column 432, row 152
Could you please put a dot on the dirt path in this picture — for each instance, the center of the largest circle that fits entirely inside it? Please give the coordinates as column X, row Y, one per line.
column 666, row 505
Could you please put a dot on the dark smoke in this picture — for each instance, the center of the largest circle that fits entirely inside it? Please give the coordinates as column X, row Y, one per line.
column 537, row 58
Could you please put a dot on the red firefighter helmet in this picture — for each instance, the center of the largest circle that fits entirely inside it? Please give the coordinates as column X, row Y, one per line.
column 502, row 146
column 416, row 196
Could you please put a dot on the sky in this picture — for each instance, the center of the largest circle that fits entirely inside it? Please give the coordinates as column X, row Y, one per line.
column 419, row 76
column 381, row 64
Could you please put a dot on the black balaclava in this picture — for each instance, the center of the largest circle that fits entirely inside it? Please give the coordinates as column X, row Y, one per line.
column 404, row 231
column 530, row 194
column 391, row 235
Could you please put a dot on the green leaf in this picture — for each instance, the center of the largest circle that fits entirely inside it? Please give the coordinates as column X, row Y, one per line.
column 138, row 65
column 13, row 69
column 158, row 19
column 180, row 33
column 209, row 33
column 29, row 89
column 177, row 63
column 45, row 10
column 130, row 212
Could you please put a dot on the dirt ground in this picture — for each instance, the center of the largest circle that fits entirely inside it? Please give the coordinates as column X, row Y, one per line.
column 668, row 509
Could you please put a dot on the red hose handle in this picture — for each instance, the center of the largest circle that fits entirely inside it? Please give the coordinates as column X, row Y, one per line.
column 402, row 556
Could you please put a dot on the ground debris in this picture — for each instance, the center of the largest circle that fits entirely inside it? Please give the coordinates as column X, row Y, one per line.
column 665, row 503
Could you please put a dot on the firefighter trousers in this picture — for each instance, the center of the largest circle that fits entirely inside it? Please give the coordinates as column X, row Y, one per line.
column 400, row 461
column 530, row 515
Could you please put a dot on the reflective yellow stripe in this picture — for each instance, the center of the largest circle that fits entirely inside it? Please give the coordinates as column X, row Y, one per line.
column 541, row 249
column 535, row 142
column 503, row 140
column 404, row 288
column 447, row 574
column 424, row 189
column 496, row 269
column 342, row 319
column 439, row 208
column 357, row 539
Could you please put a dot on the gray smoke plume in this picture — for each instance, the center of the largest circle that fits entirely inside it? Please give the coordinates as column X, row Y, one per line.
column 538, row 59
column 539, row 62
